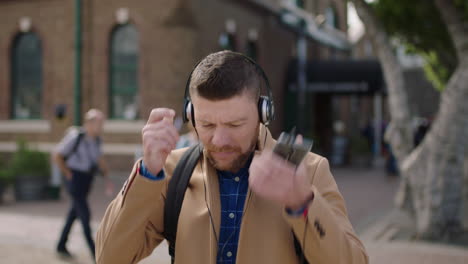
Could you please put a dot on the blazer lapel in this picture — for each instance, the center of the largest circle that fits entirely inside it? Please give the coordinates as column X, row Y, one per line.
column 214, row 203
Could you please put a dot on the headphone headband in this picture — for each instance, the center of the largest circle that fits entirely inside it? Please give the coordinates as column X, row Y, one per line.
column 266, row 107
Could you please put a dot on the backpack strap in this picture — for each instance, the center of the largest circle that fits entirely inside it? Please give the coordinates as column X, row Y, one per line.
column 80, row 136
column 176, row 192
column 297, row 247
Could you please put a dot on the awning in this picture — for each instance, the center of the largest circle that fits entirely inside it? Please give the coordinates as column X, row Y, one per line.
column 298, row 20
column 339, row 76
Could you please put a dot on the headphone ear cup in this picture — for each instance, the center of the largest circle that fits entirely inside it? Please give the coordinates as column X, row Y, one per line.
column 266, row 110
column 192, row 114
column 263, row 110
column 187, row 112
column 271, row 110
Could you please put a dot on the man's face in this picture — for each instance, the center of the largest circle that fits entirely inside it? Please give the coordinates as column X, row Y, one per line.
column 228, row 129
column 94, row 126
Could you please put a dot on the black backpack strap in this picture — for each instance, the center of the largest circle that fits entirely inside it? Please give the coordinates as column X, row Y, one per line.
column 99, row 141
column 298, row 249
column 176, row 192
column 80, row 136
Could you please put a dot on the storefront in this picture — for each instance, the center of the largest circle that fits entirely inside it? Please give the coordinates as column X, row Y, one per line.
column 334, row 94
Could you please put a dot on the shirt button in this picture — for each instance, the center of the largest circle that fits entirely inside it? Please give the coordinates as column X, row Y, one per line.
column 237, row 179
column 229, row 254
column 231, row 215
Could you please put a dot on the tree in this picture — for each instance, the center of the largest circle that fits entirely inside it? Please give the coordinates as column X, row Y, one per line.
column 432, row 174
column 420, row 27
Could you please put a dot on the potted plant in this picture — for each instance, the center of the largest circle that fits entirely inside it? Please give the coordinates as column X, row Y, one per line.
column 31, row 170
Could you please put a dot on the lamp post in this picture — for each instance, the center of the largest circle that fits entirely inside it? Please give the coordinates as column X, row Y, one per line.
column 301, row 78
column 299, row 25
column 77, row 84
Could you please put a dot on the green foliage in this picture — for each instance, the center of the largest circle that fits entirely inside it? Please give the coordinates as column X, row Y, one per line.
column 462, row 4
column 29, row 162
column 6, row 177
column 419, row 25
column 435, row 71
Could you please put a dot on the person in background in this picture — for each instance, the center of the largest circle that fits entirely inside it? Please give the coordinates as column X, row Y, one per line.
column 79, row 157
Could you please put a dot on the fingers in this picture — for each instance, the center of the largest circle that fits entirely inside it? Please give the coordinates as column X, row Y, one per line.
column 169, row 119
column 299, row 139
column 159, row 137
column 274, row 178
column 158, row 114
column 161, row 130
column 164, row 139
column 268, row 170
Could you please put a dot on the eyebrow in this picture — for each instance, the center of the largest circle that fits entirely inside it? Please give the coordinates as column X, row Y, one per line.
column 228, row 122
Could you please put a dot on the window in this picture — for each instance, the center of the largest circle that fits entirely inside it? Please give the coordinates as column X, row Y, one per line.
column 300, row 3
column 227, row 39
column 26, row 77
column 124, row 73
column 331, row 17
column 251, row 48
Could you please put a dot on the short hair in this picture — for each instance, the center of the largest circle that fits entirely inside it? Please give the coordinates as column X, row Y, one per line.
column 225, row 74
column 93, row 114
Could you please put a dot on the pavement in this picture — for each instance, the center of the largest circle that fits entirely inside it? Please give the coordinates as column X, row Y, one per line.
column 29, row 230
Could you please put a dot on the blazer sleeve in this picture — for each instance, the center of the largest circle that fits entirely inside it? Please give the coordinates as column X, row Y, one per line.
column 133, row 223
column 325, row 233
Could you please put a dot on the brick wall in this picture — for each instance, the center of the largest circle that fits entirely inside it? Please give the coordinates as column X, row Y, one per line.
column 170, row 45
column 52, row 22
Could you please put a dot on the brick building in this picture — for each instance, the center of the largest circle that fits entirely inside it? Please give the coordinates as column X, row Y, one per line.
column 135, row 55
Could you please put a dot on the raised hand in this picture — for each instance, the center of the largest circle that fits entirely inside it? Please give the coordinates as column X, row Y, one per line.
column 159, row 137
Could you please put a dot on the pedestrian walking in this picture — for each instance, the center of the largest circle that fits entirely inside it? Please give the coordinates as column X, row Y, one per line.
column 79, row 157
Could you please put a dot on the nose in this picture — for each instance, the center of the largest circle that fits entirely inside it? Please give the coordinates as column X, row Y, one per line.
column 220, row 137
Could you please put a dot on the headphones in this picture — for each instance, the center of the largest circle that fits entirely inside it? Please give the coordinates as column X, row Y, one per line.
column 266, row 109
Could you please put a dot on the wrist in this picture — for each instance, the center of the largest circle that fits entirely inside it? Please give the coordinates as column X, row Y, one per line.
column 150, row 167
column 147, row 174
column 303, row 202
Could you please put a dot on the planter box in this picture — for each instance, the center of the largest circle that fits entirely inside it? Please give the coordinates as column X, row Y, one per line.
column 2, row 191
column 30, row 187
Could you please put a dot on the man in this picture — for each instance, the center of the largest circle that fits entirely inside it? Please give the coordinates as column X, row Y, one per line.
column 79, row 157
column 244, row 204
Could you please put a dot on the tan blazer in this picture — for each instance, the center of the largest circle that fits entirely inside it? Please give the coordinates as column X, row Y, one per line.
column 133, row 224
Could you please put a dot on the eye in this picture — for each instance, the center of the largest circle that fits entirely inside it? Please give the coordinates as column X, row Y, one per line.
column 234, row 125
column 207, row 125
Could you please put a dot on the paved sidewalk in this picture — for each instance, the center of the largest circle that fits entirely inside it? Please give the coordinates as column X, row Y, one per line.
column 388, row 241
column 414, row 253
column 35, row 241
column 29, row 231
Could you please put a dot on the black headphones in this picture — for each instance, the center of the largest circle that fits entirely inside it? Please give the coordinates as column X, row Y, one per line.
column 266, row 109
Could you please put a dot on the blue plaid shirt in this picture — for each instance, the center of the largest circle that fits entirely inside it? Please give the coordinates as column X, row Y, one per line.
column 233, row 190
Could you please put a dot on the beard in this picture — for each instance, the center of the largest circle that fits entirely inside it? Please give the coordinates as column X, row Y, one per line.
column 239, row 159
